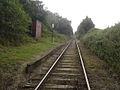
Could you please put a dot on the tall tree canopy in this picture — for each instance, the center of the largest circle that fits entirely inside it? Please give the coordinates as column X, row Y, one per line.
column 85, row 26
column 35, row 9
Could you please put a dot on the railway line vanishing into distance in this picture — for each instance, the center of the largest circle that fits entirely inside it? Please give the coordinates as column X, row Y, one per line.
column 64, row 70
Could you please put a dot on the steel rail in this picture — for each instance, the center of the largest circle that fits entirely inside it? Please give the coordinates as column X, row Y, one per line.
column 40, row 83
column 83, row 67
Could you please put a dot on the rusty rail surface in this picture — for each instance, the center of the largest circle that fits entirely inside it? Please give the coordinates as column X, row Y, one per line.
column 83, row 66
column 40, row 83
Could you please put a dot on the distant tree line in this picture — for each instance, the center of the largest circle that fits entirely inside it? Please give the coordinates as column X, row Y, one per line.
column 16, row 17
column 85, row 26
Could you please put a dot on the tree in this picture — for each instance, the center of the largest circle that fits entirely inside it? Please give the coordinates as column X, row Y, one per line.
column 34, row 9
column 14, row 21
column 85, row 26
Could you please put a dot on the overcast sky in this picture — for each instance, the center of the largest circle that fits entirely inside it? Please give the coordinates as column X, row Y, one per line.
column 104, row 13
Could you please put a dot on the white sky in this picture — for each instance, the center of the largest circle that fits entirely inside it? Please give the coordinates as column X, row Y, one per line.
column 104, row 13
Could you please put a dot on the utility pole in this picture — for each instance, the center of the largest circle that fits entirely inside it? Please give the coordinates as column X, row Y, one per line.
column 53, row 32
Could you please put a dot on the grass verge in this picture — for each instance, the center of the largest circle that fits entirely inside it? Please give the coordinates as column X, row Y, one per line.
column 13, row 59
column 23, row 53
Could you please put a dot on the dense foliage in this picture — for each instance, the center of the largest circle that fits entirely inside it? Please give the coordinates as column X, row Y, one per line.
column 105, row 44
column 13, row 23
column 35, row 9
column 16, row 16
column 85, row 26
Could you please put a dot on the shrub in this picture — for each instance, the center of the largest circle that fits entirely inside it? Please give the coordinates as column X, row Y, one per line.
column 105, row 44
column 14, row 22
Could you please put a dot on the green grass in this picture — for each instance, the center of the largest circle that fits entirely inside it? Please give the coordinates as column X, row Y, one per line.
column 14, row 55
column 25, row 52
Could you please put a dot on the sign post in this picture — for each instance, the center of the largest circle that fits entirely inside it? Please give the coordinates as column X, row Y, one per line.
column 53, row 32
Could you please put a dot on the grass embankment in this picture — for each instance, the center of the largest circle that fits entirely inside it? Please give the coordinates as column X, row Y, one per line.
column 105, row 44
column 24, row 52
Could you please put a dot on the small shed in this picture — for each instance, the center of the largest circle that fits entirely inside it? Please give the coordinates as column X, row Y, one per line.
column 36, row 28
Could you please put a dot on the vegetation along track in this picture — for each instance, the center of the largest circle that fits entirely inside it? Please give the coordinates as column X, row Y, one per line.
column 66, row 73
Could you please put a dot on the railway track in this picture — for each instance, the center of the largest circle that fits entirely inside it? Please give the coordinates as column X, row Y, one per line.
column 67, row 72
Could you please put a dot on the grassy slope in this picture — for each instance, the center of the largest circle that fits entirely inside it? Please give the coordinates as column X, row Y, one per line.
column 23, row 53
column 10, row 54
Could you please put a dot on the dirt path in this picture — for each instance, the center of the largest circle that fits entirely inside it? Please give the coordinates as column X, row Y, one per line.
column 101, row 76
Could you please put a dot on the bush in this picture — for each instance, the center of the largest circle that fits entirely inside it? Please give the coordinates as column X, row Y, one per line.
column 105, row 44
column 14, row 22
